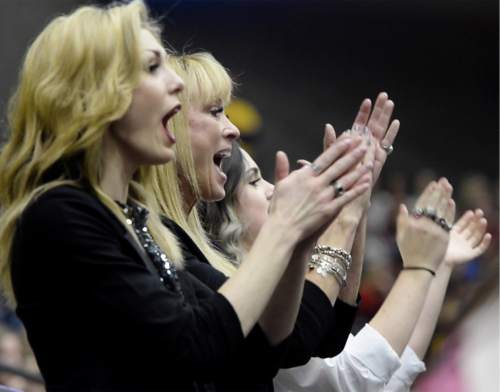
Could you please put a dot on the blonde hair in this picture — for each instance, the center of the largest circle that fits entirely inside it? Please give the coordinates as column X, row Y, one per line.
column 206, row 82
column 77, row 78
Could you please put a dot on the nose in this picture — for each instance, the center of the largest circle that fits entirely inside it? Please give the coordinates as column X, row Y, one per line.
column 269, row 190
column 174, row 82
column 230, row 130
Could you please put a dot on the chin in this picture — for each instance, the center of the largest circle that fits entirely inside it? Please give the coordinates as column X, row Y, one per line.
column 212, row 194
column 165, row 157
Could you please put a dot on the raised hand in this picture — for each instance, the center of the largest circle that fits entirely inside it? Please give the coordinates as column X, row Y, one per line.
column 421, row 240
column 377, row 121
column 468, row 238
column 306, row 199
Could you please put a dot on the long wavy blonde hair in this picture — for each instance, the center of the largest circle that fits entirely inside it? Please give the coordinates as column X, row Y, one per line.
column 77, row 78
column 206, row 82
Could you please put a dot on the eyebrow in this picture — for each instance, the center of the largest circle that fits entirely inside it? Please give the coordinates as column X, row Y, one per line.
column 253, row 171
column 158, row 54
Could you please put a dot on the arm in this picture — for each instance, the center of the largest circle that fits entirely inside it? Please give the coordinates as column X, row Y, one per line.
column 348, row 231
column 281, row 312
column 384, row 133
column 365, row 365
column 468, row 240
column 422, row 243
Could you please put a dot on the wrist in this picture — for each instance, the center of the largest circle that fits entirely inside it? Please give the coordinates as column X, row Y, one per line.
column 280, row 230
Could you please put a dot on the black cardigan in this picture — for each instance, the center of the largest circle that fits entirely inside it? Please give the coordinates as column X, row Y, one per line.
column 99, row 319
column 320, row 331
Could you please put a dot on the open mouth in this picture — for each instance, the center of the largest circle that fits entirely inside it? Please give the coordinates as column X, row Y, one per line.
column 219, row 158
column 170, row 114
column 167, row 117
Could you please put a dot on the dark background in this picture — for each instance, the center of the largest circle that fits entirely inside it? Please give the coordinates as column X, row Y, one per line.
column 304, row 63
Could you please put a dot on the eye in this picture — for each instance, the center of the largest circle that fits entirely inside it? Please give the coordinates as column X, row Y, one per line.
column 153, row 67
column 255, row 182
column 216, row 112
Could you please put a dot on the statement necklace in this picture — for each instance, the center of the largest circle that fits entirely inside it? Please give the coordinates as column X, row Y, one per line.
column 136, row 217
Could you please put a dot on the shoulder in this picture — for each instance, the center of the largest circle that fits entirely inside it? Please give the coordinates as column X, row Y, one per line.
column 62, row 208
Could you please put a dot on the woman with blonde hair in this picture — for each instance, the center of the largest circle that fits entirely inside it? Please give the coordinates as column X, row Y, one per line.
column 97, row 280
column 204, row 135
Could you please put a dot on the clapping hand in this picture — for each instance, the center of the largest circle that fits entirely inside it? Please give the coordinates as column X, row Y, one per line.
column 468, row 238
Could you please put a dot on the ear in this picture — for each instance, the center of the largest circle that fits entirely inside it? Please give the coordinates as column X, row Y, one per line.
column 281, row 167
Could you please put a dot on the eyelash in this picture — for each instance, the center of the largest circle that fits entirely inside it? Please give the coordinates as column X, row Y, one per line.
column 215, row 112
column 254, row 182
column 153, row 67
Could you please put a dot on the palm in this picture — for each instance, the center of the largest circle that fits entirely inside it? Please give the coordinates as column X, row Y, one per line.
column 468, row 239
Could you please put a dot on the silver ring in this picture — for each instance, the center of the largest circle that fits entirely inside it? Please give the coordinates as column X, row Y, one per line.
column 430, row 212
column 445, row 225
column 316, row 168
column 418, row 212
column 338, row 189
column 388, row 149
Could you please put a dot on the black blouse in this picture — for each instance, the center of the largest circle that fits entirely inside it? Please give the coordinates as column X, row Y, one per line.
column 99, row 319
column 320, row 331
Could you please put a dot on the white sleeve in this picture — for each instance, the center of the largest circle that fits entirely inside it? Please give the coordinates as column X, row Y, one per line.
column 366, row 364
column 411, row 367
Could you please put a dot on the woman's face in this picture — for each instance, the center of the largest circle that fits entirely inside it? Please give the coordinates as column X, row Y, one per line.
column 143, row 133
column 253, row 198
column 211, row 134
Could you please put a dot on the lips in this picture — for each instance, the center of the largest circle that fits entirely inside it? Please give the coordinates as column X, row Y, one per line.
column 166, row 118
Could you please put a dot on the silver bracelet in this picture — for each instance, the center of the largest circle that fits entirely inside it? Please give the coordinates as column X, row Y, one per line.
column 326, row 265
column 334, row 252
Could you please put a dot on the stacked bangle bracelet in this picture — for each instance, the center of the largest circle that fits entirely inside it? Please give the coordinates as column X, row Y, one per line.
column 326, row 260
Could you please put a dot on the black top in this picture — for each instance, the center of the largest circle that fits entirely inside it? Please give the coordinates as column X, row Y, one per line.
column 320, row 331
column 99, row 319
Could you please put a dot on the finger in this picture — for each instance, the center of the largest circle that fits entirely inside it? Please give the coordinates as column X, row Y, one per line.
column 391, row 133
column 334, row 152
column 378, row 108
column 424, row 198
column 354, row 177
column 464, row 221
column 449, row 215
column 303, row 162
column 378, row 125
column 443, row 206
column 329, row 137
column 469, row 232
column 340, row 201
column 363, row 114
column 447, row 187
column 479, row 232
column 372, row 148
column 402, row 215
column 342, row 165
column 281, row 167
column 485, row 243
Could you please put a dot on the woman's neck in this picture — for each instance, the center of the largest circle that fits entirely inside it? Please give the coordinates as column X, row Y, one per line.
column 117, row 172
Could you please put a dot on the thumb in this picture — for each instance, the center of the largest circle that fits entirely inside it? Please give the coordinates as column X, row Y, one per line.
column 402, row 216
column 329, row 137
column 281, row 167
